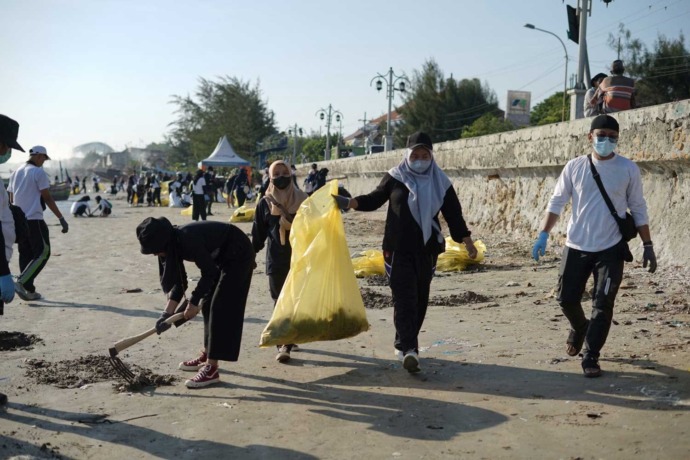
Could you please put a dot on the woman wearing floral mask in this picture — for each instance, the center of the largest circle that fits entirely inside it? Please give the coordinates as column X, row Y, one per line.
column 272, row 222
column 417, row 190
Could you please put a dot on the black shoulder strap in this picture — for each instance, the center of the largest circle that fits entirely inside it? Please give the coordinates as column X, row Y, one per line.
column 597, row 179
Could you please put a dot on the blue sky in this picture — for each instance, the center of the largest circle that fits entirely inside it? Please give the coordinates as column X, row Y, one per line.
column 77, row 71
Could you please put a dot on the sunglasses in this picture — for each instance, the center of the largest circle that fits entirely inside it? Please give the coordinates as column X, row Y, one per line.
column 601, row 138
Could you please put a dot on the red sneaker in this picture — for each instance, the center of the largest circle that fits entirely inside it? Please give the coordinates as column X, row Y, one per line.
column 208, row 375
column 194, row 364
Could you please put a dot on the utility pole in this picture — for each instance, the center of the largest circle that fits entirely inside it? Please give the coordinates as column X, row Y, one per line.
column 294, row 131
column 327, row 116
column 577, row 94
column 390, row 79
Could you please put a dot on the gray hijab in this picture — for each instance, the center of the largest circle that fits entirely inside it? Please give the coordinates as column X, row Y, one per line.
column 427, row 191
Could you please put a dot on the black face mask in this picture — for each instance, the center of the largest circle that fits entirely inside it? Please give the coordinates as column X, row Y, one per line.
column 282, row 182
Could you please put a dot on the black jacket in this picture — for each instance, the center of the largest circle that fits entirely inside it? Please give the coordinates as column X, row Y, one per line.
column 267, row 227
column 402, row 231
column 211, row 246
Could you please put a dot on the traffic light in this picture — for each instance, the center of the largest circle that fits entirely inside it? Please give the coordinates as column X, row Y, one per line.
column 573, row 24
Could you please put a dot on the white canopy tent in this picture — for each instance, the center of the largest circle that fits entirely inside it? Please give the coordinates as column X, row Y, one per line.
column 224, row 155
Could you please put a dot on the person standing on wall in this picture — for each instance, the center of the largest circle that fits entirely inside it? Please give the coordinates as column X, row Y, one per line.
column 616, row 92
column 272, row 223
column 198, row 201
column 591, row 105
column 9, row 129
column 28, row 189
column 595, row 245
column 416, row 190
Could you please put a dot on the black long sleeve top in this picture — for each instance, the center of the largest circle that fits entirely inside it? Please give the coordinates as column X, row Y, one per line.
column 402, row 232
column 267, row 228
column 210, row 245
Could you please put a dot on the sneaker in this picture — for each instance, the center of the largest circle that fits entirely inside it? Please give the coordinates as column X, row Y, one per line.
column 411, row 362
column 208, row 375
column 21, row 291
column 399, row 355
column 283, row 355
column 33, row 296
column 194, row 364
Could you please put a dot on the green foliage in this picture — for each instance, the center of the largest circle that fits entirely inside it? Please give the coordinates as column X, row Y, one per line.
column 487, row 124
column 662, row 74
column 442, row 107
column 550, row 110
column 228, row 107
column 314, row 147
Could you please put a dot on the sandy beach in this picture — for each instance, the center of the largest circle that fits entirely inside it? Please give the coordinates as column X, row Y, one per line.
column 496, row 381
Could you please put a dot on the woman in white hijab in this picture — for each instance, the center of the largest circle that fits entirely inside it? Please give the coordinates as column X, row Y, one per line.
column 272, row 223
column 417, row 190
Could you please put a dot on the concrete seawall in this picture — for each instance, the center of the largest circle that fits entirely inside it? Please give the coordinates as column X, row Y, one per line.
column 505, row 180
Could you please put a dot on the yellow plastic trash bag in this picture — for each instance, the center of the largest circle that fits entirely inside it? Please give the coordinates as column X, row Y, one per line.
column 243, row 214
column 369, row 263
column 320, row 299
column 186, row 211
column 456, row 257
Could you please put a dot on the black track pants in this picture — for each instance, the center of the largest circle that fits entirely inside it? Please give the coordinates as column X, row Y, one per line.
column 34, row 253
column 576, row 267
column 198, row 207
column 410, row 277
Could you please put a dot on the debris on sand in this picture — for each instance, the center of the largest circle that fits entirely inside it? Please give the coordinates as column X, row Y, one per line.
column 76, row 373
column 458, row 299
column 377, row 280
column 375, row 300
column 15, row 340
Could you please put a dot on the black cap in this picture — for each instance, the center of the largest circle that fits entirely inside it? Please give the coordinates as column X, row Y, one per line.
column 9, row 129
column 597, row 77
column 604, row 122
column 419, row 139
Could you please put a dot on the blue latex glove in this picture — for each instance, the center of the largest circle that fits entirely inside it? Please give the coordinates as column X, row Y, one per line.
column 161, row 325
column 539, row 248
column 6, row 288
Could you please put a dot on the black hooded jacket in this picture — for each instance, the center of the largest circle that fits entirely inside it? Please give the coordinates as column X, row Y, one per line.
column 210, row 245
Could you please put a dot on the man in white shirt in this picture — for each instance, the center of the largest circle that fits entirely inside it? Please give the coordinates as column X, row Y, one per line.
column 594, row 244
column 28, row 186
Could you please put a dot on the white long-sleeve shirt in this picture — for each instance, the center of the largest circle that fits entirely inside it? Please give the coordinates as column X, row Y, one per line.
column 592, row 228
column 6, row 221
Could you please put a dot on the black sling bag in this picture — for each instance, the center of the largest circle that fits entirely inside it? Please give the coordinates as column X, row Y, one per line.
column 627, row 225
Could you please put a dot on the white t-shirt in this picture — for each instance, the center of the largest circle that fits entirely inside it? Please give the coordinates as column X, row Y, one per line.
column 80, row 204
column 26, row 183
column 592, row 228
column 7, row 222
column 198, row 188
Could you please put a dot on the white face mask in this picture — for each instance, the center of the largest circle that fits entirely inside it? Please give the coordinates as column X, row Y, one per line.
column 604, row 147
column 419, row 166
column 6, row 156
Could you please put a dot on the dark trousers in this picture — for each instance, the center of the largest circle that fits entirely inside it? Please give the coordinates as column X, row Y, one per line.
column 210, row 202
column 157, row 196
column 198, row 207
column 223, row 311
column 276, row 280
column 241, row 197
column 409, row 275
column 34, row 253
column 130, row 195
column 576, row 267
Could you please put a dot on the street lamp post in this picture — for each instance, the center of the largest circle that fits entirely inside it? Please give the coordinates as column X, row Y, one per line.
column 565, row 79
column 391, row 79
column 328, row 116
column 294, row 131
